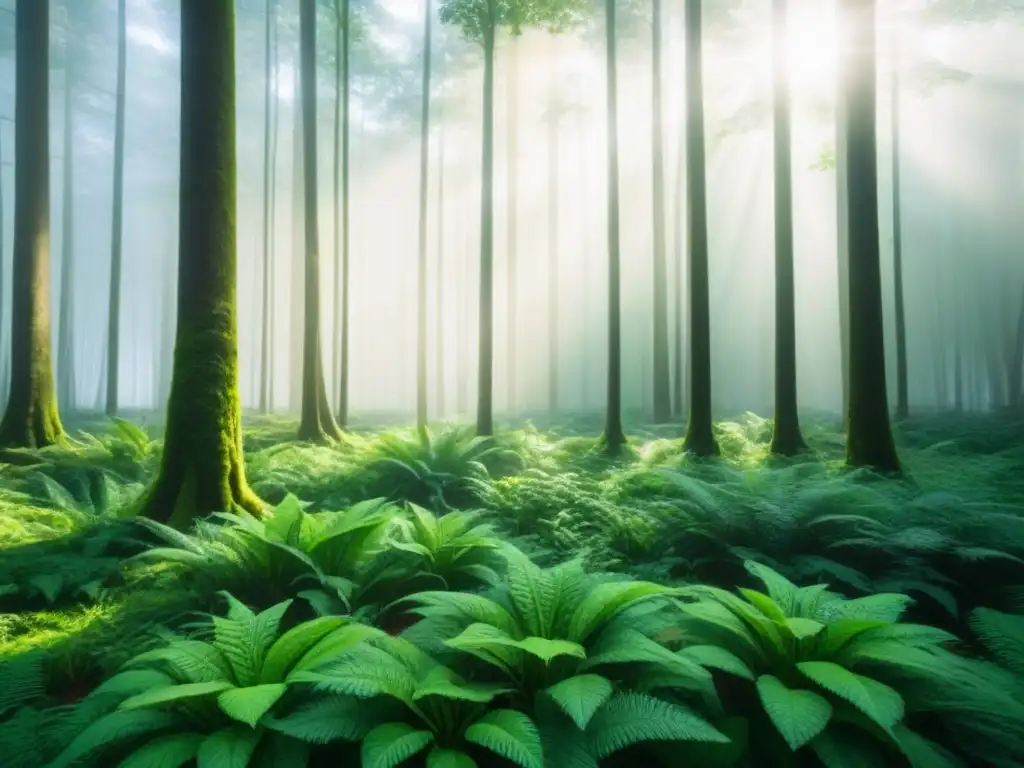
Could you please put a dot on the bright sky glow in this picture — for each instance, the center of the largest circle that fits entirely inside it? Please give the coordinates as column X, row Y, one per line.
column 150, row 37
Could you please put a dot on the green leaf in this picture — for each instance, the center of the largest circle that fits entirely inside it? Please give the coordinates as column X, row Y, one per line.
column 798, row 715
column 765, row 605
column 804, row 628
column 334, row 718
column 717, row 658
column 1002, row 634
column 171, row 751
column 781, row 590
column 339, row 640
column 449, row 758
column 230, row 747
column 509, row 734
column 581, row 696
column 172, row 693
column 837, row 747
column 604, row 601
column 248, row 705
column 293, row 644
column 546, row 649
column 113, row 728
column 629, row 718
column 441, row 681
column 391, row 744
column 876, row 700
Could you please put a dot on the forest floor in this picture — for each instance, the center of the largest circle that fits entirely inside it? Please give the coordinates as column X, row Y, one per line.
column 82, row 584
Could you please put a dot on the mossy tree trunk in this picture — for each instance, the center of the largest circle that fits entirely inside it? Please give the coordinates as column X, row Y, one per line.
column 65, row 316
column 421, row 266
column 700, row 436
column 317, row 423
column 31, row 419
column 662, row 403
column 485, row 362
column 869, row 436
column 614, row 439
column 117, row 227
column 786, row 438
column 202, row 467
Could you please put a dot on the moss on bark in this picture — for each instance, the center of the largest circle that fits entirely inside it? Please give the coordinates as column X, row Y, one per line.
column 31, row 419
column 202, row 469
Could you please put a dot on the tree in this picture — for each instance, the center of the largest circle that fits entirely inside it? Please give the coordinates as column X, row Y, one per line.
column 421, row 269
column 662, row 403
column 902, row 373
column 700, row 436
column 342, row 84
column 869, row 436
column 479, row 21
column 117, row 228
column 31, row 418
column 65, row 316
column 786, row 438
column 317, row 423
column 269, row 109
column 614, row 438
column 512, row 309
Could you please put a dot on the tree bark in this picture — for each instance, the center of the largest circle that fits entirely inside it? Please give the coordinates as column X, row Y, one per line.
column 662, row 402
column 421, row 270
column 65, row 321
column 679, row 388
column 869, row 436
column 902, row 371
column 439, row 309
column 346, row 243
column 786, row 438
column 485, row 371
column 117, row 228
column 614, row 437
column 202, row 467
column 317, row 423
column 512, row 309
column 700, row 436
column 269, row 95
column 553, row 213
column 1015, row 380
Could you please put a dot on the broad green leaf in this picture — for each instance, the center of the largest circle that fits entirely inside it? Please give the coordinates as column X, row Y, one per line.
column 449, row 758
column 798, row 715
column 804, row 628
column 876, row 700
column 230, row 747
column 172, row 693
column 717, row 658
column 113, row 728
column 171, row 751
column 293, row 644
column 392, row 744
column 248, row 705
column 511, row 735
column 581, row 696
column 334, row 718
column 604, row 601
column 630, row 718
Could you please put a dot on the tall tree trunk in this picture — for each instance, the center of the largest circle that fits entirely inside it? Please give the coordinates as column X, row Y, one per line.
column 65, row 320
column 485, row 373
column 117, row 228
column 462, row 333
column 271, row 312
column 168, row 302
column 4, row 371
column 869, row 437
column 202, row 468
column 316, row 422
column 30, row 418
column 662, row 404
column 342, row 344
column 679, row 388
column 512, row 308
column 269, row 97
column 586, row 239
column 902, row 371
column 421, row 269
column 700, row 436
column 298, row 261
column 1015, row 381
column 786, row 439
column 439, row 308
column 553, row 213
column 614, row 438
column 842, row 223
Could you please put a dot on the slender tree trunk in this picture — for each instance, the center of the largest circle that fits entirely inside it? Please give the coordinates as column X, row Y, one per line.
column 202, row 469
column 662, row 403
column 869, row 437
column 553, row 213
column 439, row 309
column 4, row 371
column 512, row 309
column 117, row 228
column 586, row 238
column 316, row 423
column 462, row 333
column 421, row 270
column 786, row 439
column 275, row 129
column 65, row 320
column 346, row 205
column 168, row 302
column 614, row 438
column 842, row 221
column 902, row 371
column 1015, row 381
column 269, row 95
column 700, row 436
column 485, row 410
column 679, row 393
column 298, row 260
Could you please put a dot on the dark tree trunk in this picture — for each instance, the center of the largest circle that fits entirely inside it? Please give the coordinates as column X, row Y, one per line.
column 662, row 404
column 842, row 228
column 902, row 371
column 168, row 302
column 421, row 269
column 202, row 468
column 268, row 211
column 512, row 309
column 317, row 423
column 700, row 436
column 786, row 439
column 679, row 389
column 614, row 437
column 869, row 436
column 66, row 393
column 117, row 228
column 3, row 266
column 1015, row 381
column 31, row 419
column 485, row 374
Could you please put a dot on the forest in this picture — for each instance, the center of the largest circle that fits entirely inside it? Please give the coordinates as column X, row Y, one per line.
column 484, row 383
